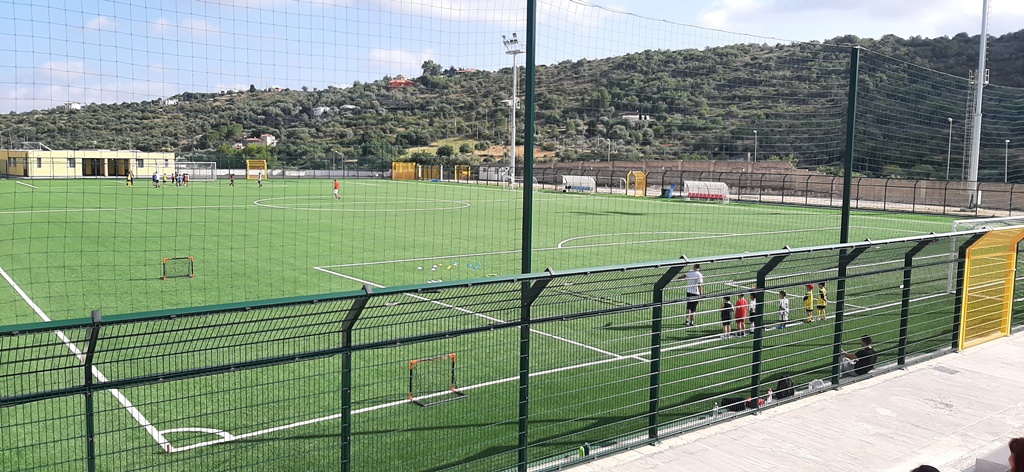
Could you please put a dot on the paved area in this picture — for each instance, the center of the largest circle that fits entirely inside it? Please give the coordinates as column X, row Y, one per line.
column 944, row 412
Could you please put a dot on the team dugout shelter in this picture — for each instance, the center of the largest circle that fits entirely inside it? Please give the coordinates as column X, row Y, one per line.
column 36, row 161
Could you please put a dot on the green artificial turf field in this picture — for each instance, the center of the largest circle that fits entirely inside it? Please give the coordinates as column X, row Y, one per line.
column 80, row 245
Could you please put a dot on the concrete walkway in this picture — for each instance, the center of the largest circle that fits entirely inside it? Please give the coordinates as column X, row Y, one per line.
column 944, row 412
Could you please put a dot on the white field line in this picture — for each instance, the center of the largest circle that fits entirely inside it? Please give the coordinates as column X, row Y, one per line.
column 775, row 207
column 227, row 437
column 71, row 210
column 716, row 337
column 132, row 410
column 23, row 183
column 560, row 247
column 777, row 292
column 481, row 315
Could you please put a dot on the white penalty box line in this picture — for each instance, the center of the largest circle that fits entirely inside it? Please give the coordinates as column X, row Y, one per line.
column 486, row 317
column 229, row 437
column 132, row 410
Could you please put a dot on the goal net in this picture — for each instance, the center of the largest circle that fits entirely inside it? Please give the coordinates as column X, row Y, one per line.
column 432, row 380
column 197, row 171
column 175, row 267
column 579, row 183
column 711, row 191
column 971, row 224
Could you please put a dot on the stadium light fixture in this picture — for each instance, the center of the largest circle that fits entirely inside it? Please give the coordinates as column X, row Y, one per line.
column 949, row 147
column 514, row 48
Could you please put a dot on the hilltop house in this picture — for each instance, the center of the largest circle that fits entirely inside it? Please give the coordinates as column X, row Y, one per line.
column 399, row 82
column 267, row 140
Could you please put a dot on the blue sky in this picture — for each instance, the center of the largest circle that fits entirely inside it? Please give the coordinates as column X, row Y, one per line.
column 129, row 50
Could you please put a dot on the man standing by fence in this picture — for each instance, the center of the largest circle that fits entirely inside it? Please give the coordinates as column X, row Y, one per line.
column 694, row 289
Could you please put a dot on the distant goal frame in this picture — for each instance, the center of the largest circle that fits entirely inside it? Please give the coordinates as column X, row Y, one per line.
column 197, row 171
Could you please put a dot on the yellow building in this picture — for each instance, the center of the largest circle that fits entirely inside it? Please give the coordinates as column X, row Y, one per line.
column 49, row 164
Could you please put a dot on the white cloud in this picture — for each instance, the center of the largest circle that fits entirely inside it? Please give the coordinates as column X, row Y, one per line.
column 39, row 97
column 160, row 25
column 100, row 23
column 395, row 61
column 815, row 19
column 197, row 26
column 63, row 71
column 193, row 26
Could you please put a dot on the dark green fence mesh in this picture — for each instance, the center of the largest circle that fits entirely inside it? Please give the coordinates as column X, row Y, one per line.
column 432, row 377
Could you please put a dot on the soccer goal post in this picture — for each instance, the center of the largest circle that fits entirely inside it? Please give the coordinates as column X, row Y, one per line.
column 197, row 171
column 971, row 224
column 579, row 183
column 707, row 191
column 175, row 267
column 432, row 380
column 256, row 169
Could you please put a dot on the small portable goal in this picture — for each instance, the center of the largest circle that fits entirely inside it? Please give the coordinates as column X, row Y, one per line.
column 179, row 267
column 432, row 380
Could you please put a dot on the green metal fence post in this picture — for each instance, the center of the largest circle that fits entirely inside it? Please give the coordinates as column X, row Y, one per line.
column 851, row 121
column 958, row 299
column 758, row 321
column 90, row 417
column 845, row 258
column 653, row 403
column 844, row 227
column 358, row 305
column 527, row 249
column 908, row 264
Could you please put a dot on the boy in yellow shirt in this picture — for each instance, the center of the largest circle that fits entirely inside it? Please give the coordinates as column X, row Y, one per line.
column 809, row 303
column 822, row 300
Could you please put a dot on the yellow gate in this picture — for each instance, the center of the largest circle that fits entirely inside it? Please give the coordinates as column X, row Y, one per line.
column 636, row 181
column 403, row 171
column 988, row 287
column 463, row 173
column 428, row 172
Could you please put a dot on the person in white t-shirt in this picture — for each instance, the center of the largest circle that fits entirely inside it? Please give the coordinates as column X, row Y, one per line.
column 783, row 310
column 694, row 289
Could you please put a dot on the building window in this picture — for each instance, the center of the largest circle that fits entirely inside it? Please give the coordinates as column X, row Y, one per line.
column 140, row 163
column 39, row 163
column 71, row 163
column 167, row 163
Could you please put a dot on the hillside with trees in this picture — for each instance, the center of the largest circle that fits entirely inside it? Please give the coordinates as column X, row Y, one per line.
column 679, row 104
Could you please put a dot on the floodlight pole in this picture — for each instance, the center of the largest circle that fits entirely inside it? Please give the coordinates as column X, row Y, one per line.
column 755, row 145
column 514, row 48
column 972, row 176
column 1006, row 162
column 949, row 147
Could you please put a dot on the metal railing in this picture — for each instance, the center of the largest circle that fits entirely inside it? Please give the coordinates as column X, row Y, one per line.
column 603, row 356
